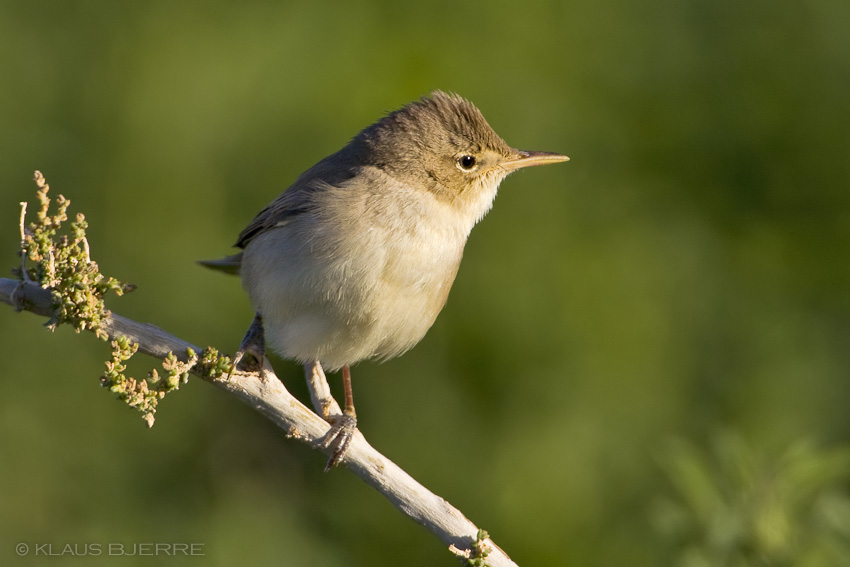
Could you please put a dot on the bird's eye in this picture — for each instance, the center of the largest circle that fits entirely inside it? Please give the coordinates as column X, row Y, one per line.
column 466, row 162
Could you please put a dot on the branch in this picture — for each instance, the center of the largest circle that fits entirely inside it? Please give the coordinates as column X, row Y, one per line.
column 267, row 394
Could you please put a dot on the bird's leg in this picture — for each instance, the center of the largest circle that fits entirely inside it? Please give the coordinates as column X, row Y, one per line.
column 254, row 344
column 343, row 425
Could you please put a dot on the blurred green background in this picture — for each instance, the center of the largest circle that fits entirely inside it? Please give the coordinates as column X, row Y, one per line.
column 644, row 360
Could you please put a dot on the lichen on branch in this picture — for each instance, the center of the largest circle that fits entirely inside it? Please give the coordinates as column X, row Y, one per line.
column 144, row 395
column 63, row 264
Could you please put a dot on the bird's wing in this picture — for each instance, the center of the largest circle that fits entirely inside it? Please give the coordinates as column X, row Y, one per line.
column 298, row 198
column 277, row 213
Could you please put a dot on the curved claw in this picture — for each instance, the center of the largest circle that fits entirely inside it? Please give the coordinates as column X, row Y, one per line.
column 339, row 438
column 253, row 344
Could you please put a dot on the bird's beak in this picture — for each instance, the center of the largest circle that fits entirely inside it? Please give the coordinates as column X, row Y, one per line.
column 527, row 159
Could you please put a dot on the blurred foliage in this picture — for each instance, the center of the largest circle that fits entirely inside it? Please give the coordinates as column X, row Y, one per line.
column 736, row 507
column 686, row 273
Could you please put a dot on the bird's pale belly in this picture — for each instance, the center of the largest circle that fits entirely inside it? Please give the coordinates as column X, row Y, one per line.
column 371, row 310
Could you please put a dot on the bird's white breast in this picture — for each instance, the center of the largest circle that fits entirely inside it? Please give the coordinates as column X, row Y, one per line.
column 363, row 274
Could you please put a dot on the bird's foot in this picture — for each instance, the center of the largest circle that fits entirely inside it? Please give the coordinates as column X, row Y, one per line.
column 254, row 345
column 339, row 437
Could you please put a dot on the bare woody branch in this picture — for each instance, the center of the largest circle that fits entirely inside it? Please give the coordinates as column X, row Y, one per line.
column 267, row 394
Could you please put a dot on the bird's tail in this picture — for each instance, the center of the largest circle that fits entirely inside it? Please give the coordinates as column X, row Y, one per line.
column 230, row 265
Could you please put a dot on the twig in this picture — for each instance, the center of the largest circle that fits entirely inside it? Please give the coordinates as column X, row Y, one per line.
column 320, row 391
column 268, row 395
column 24, row 272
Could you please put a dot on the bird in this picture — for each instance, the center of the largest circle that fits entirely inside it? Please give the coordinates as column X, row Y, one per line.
column 356, row 258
